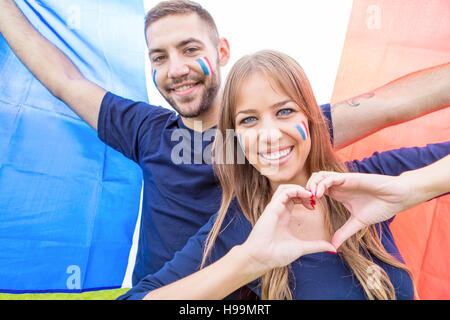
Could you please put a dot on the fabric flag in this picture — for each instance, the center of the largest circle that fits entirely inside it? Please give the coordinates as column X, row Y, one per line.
column 68, row 203
column 386, row 40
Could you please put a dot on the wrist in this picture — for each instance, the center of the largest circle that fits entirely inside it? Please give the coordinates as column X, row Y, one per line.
column 251, row 265
column 418, row 190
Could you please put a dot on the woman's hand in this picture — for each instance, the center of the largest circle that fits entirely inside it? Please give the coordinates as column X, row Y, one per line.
column 370, row 198
column 271, row 243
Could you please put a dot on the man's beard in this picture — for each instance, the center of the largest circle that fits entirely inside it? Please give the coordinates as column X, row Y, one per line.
column 206, row 101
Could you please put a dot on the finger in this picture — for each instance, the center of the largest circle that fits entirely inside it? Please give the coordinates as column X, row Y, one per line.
column 301, row 196
column 307, row 203
column 314, row 180
column 328, row 182
column 294, row 192
column 351, row 227
column 309, row 247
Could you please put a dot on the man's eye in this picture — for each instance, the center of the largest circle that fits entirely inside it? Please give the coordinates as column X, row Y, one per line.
column 157, row 59
column 191, row 50
column 285, row 112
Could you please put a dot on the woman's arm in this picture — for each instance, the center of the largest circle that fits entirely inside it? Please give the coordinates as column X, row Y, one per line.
column 214, row 282
column 269, row 245
column 374, row 198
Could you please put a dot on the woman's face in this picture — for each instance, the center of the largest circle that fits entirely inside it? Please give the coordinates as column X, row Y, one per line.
column 273, row 131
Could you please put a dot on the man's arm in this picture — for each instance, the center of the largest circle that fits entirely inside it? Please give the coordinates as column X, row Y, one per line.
column 49, row 65
column 404, row 99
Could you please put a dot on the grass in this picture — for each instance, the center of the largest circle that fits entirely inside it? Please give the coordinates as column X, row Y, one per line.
column 95, row 295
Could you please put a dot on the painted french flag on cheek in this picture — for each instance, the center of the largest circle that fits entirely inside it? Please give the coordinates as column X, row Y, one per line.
column 154, row 77
column 205, row 65
column 303, row 129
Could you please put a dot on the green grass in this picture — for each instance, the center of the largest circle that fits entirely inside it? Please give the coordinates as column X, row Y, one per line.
column 95, row 295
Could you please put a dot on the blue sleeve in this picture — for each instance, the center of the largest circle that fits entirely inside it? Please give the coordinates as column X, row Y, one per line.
column 126, row 125
column 395, row 162
column 187, row 261
column 326, row 111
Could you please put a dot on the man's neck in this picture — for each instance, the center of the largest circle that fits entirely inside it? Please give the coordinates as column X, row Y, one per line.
column 206, row 120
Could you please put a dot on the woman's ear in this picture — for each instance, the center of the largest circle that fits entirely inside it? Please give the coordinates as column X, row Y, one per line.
column 224, row 52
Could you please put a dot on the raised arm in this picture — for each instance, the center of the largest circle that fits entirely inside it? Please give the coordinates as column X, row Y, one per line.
column 404, row 99
column 49, row 65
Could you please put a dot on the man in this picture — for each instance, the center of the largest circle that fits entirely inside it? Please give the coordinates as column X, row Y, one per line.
column 186, row 55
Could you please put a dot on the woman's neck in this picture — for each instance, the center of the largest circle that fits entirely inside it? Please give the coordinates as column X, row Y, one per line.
column 300, row 180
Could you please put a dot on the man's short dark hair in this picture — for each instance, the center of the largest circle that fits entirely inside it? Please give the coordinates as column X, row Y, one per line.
column 181, row 7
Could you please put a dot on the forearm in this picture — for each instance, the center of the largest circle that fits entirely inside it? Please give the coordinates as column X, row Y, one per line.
column 214, row 282
column 427, row 183
column 43, row 59
column 404, row 99
column 50, row 65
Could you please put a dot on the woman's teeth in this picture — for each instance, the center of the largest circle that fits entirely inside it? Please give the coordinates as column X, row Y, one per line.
column 276, row 155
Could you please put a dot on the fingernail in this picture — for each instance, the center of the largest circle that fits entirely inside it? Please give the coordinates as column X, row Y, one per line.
column 332, row 252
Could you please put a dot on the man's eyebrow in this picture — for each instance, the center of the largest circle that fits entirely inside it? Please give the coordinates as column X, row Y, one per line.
column 179, row 45
column 276, row 105
column 188, row 41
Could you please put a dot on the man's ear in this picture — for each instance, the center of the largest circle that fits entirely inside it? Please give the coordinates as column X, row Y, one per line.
column 224, row 52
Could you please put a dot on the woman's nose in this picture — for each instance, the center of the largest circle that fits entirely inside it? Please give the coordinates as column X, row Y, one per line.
column 270, row 136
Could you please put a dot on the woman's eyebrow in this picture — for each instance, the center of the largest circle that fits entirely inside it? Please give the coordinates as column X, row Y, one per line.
column 276, row 105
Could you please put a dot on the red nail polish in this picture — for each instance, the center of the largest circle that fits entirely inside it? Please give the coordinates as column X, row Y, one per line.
column 332, row 252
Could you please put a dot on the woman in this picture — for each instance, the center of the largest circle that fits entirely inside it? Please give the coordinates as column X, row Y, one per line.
column 281, row 132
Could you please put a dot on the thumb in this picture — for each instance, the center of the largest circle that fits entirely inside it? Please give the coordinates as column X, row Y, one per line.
column 309, row 247
column 351, row 227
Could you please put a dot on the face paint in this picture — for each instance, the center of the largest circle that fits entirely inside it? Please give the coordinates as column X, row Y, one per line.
column 205, row 65
column 303, row 129
column 154, row 78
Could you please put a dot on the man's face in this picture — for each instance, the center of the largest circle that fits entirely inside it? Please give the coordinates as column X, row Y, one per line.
column 176, row 44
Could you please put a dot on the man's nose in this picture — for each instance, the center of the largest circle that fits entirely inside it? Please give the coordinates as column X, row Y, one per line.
column 177, row 68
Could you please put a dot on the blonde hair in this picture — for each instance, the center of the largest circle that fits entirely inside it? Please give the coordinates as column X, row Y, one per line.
column 253, row 191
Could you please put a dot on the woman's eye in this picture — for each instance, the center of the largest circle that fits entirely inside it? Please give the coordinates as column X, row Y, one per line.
column 285, row 112
column 248, row 120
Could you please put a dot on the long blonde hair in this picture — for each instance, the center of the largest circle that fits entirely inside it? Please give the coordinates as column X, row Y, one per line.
column 253, row 191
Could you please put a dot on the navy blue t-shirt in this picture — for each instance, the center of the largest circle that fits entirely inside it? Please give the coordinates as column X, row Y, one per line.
column 317, row 276
column 178, row 198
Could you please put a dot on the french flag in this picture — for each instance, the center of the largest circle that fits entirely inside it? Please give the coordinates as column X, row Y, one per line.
column 206, row 66
column 303, row 129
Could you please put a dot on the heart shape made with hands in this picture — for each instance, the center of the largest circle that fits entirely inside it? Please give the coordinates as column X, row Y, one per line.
column 370, row 198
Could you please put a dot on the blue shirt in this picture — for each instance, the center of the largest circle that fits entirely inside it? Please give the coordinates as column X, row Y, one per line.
column 178, row 198
column 316, row 276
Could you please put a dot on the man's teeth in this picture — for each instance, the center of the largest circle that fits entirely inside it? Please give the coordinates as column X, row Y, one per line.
column 184, row 88
column 276, row 155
